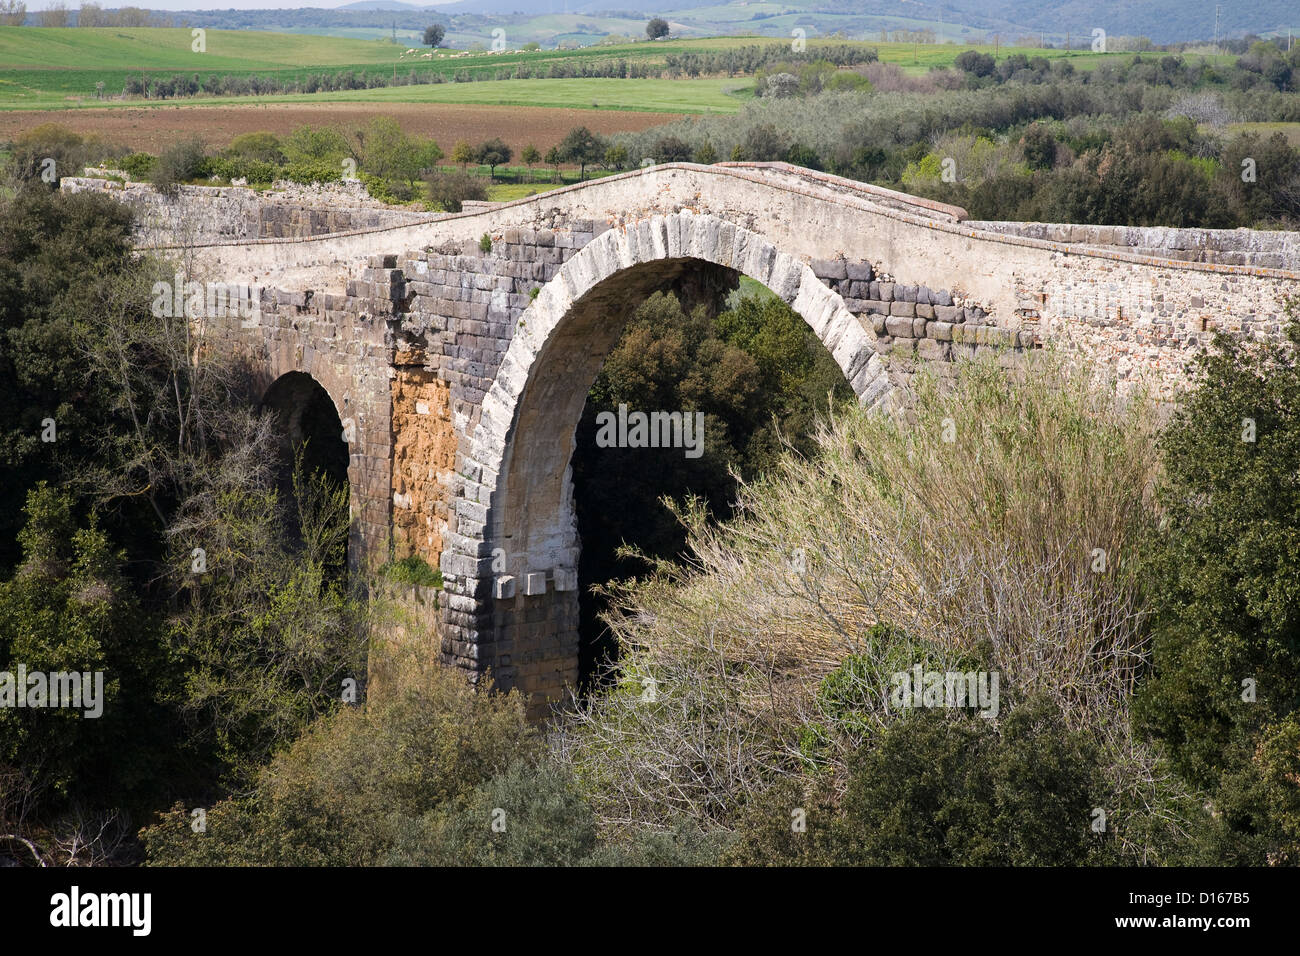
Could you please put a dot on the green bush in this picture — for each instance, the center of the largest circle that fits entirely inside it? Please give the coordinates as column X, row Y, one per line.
column 529, row 815
column 363, row 786
column 313, row 171
column 256, row 147
column 1226, row 581
column 257, row 172
column 943, row 788
column 449, row 190
column 137, row 165
column 413, row 570
column 178, row 164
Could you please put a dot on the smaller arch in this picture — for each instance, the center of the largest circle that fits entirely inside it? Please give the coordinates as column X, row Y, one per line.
column 310, row 419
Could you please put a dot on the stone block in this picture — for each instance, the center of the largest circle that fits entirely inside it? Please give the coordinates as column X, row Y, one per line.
column 830, row 269
column 535, row 583
column 900, row 326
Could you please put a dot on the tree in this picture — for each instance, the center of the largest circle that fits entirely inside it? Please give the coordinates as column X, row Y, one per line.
column 462, row 153
column 1226, row 685
column 671, row 149
column 492, row 154
column 764, row 143
column 706, row 155
column 975, row 63
column 12, row 13
column 531, row 157
column 450, row 190
column 616, row 157
column 583, row 147
column 55, row 15
column 433, row 34
column 656, row 28
column 554, row 158
column 91, row 15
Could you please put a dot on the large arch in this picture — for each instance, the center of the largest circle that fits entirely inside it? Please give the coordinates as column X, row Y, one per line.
column 516, row 543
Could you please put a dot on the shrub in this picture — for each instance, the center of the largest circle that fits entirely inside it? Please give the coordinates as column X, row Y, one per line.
column 942, row 790
column 1050, row 469
column 258, row 147
column 178, row 164
column 529, row 815
column 70, row 153
column 313, row 171
column 362, row 784
column 1225, row 690
column 413, row 570
column 450, row 190
column 137, row 165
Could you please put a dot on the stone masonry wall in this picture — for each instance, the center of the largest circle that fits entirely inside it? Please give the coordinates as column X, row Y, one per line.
column 505, row 615
column 199, row 214
column 424, row 461
column 1239, row 247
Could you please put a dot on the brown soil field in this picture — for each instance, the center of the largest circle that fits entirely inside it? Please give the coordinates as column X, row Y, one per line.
column 153, row 128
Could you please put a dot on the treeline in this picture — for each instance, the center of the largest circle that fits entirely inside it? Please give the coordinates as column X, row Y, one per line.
column 394, row 167
column 739, row 61
column 745, row 60
column 1265, row 65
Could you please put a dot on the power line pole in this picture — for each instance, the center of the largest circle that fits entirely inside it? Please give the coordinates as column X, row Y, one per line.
column 1216, row 28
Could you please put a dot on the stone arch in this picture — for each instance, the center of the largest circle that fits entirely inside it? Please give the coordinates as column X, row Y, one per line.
column 512, row 564
column 309, row 413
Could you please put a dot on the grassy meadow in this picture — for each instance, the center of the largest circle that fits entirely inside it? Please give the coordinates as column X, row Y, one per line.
column 49, row 68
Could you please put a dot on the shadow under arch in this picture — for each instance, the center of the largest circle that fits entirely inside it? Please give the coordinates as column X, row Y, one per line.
column 516, row 524
column 308, row 419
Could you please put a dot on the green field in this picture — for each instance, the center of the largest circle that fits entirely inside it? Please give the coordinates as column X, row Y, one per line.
column 147, row 48
column 46, row 68
column 1290, row 130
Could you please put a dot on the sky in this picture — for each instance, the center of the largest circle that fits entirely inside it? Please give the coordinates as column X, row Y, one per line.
column 174, row 5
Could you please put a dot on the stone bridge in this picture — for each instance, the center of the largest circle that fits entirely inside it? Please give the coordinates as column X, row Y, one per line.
column 458, row 350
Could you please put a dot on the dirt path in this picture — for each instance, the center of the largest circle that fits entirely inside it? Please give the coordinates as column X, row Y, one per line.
column 153, row 128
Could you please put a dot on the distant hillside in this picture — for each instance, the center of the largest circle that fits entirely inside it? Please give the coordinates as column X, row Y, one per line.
column 582, row 22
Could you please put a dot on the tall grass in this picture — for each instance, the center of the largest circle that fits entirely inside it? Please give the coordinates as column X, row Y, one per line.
column 1001, row 524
